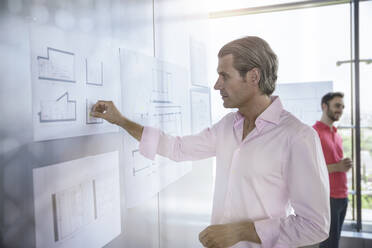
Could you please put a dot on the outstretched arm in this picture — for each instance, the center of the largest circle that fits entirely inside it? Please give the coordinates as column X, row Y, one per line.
column 107, row 110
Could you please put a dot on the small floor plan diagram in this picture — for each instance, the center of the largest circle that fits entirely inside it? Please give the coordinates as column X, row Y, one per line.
column 57, row 65
column 62, row 109
column 94, row 72
column 90, row 119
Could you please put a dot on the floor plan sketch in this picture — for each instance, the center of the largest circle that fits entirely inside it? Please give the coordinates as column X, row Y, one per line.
column 93, row 72
column 62, row 109
column 90, row 119
column 161, row 88
column 77, row 203
column 57, row 65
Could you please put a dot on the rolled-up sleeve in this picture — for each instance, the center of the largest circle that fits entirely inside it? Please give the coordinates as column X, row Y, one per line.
column 191, row 147
column 308, row 188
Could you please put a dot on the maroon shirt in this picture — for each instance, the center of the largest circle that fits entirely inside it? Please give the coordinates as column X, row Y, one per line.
column 332, row 148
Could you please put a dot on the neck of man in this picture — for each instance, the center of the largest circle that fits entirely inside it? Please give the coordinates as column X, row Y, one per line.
column 326, row 120
column 253, row 108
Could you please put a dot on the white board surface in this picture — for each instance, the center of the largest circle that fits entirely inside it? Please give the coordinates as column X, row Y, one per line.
column 303, row 99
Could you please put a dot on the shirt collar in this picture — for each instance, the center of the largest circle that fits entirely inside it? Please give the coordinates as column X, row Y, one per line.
column 271, row 114
column 322, row 125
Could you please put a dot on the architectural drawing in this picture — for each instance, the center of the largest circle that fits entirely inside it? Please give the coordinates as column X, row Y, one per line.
column 77, row 203
column 90, row 119
column 62, row 109
column 142, row 164
column 94, row 73
column 72, row 210
column 168, row 118
column 200, row 109
column 58, row 65
column 198, row 63
column 159, row 103
column 103, row 199
column 85, row 68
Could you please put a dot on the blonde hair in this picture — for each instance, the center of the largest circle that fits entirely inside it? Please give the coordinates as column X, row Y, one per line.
column 253, row 52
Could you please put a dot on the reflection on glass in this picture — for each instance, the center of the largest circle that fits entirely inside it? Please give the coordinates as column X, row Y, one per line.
column 366, row 173
column 347, row 146
column 366, row 109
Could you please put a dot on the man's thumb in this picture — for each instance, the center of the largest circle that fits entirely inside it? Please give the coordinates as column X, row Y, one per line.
column 96, row 114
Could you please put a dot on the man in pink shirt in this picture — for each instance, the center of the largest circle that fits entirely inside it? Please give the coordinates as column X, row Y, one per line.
column 332, row 106
column 272, row 187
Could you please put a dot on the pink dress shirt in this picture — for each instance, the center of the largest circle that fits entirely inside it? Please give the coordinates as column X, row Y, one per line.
column 276, row 177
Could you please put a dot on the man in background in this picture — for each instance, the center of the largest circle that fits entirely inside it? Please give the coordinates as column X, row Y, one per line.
column 332, row 106
column 268, row 163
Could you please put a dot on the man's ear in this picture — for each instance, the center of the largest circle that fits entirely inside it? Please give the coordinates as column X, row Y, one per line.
column 254, row 76
column 324, row 106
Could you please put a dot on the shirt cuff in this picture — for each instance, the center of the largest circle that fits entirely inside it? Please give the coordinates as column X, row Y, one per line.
column 268, row 231
column 149, row 142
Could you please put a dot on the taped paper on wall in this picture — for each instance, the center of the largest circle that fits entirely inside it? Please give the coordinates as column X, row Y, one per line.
column 77, row 203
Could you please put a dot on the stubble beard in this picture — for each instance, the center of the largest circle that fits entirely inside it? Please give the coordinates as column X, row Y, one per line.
column 331, row 115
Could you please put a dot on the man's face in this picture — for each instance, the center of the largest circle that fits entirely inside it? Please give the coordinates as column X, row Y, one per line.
column 235, row 91
column 335, row 108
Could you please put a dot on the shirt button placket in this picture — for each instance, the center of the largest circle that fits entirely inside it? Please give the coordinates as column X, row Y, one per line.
column 228, row 207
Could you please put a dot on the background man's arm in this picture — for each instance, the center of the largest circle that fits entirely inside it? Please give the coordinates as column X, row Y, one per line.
column 342, row 166
column 107, row 110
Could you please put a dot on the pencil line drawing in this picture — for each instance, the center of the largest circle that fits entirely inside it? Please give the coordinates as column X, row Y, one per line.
column 94, row 73
column 58, row 65
column 72, row 209
column 62, row 109
column 161, row 86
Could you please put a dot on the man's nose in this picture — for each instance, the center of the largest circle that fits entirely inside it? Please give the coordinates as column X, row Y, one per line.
column 217, row 85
